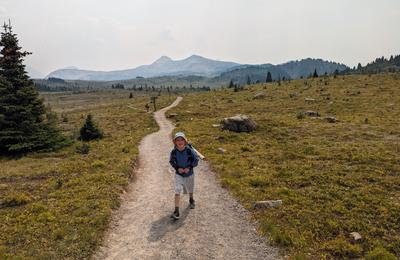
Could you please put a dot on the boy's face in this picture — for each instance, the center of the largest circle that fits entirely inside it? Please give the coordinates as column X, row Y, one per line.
column 180, row 142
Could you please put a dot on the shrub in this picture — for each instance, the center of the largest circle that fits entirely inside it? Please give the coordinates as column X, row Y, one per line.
column 380, row 253
column 83, row 149
column 14, row 200
column 300, row 115
column 98, row 164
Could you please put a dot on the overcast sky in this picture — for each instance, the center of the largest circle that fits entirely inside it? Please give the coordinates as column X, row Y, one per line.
column 120, row 34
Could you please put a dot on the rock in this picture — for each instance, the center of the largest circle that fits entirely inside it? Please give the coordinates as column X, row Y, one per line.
column 260, row 95
column 172, row 115
column 311, row 113
column 330, row 119
column 221, row 150
column 219, row 138
column 267, row 204
column 309, row 99
column 230, row 101
column 239, row 123
column 216, row 125
column 355, row 236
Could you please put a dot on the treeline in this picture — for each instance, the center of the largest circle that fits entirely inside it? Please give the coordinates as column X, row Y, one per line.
column 379, row 65
column 59, row 85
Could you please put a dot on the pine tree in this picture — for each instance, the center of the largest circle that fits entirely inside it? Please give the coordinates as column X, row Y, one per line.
column 248, row 80
column 89, row 130
column 25, row 124
column 230, row 84
column 315, row 75
column 269, row 77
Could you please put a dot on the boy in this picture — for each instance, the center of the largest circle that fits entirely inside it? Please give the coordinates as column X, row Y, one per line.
column 183, row 159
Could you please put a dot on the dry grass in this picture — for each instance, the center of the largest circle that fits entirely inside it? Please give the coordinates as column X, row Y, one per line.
column 333, row 178
column 57, row 205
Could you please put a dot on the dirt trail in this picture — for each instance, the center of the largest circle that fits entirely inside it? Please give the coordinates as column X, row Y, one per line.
column 218, row 228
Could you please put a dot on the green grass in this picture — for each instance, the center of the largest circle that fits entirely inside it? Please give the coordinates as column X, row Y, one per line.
column 333, row 178
column 57, row 205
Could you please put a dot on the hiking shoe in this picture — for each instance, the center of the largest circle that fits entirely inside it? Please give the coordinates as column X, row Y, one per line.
column 192, row 204
column 175, row 215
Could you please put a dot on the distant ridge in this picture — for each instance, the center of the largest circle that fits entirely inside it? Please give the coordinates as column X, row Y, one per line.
column 211, row 70
column 164, row 66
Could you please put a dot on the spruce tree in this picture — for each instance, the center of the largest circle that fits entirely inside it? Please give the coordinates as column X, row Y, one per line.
column 269, row 77
column 25, row 124
column 315, row 75
column 248, row 80
column 230, row 84
column 89, row 130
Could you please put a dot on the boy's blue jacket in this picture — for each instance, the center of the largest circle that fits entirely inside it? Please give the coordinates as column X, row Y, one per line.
column 186, row 158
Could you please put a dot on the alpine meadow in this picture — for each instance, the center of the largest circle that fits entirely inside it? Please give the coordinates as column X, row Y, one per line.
column 200, row 129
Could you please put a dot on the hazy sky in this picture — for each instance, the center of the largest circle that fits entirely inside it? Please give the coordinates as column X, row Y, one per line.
column 120, row 34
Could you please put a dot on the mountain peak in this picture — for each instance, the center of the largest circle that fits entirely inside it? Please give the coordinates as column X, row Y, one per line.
column 195, row 57
column 162, row 59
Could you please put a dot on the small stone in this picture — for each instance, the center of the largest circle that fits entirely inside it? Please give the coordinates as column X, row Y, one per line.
column 219, row 138
column 309, row 99
column 221, row 150
column 355, row 236
column 267, row 204
column 216, row 125
column 312, row 113
column 260, row 95
column 230, row 101
column 330, row 119
column 172, row 115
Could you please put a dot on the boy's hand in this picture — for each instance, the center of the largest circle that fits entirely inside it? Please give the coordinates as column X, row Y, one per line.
column 186, row 170
column 181, row 170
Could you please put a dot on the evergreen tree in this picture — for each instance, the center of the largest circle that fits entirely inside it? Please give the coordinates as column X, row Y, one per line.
column 248, row 80
column 230, row 84
column 90, row 130
column 315, row 75
column 25, row 124
column 130, row 95
column 269, row 77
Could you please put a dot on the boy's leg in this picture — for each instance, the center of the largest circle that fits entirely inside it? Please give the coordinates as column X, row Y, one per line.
column 191, row 189
column 177, row 200
column 178, row 189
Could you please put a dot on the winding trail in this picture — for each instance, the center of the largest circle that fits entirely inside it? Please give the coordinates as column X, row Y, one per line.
column 218, row 228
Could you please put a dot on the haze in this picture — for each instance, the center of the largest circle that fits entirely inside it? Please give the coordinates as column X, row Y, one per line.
column 121, row 34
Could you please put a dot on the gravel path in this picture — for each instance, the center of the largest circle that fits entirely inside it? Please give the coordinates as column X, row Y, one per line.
column 218, row 228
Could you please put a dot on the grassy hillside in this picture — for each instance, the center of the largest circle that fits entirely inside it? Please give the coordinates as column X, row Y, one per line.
column 333, row 178
column 57, row 205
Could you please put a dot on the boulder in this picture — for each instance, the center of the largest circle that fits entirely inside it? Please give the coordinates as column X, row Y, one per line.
column 238, row 123
column 267, row 204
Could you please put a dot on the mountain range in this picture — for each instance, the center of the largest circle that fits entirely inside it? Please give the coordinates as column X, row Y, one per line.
column 199, row 66
column 164, row 66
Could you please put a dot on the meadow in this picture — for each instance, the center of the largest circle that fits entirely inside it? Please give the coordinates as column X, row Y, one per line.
column 57, row 205
column 333, row 178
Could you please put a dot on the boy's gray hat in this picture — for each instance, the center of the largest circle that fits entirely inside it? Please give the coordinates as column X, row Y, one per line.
column 180, row 134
